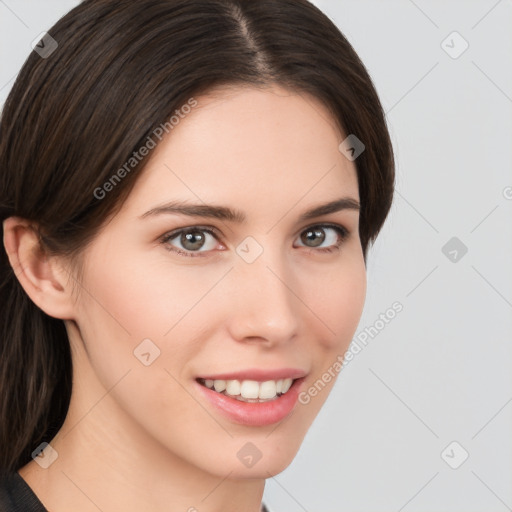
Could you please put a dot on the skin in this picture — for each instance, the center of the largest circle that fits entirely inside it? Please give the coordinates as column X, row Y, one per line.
column 141, row 438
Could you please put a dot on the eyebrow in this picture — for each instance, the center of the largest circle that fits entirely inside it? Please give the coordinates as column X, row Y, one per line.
column 237, row 216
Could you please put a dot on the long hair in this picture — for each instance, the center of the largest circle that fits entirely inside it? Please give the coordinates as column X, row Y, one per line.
column 113, row 72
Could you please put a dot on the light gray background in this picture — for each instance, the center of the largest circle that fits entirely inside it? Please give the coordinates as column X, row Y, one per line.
column 440, row 371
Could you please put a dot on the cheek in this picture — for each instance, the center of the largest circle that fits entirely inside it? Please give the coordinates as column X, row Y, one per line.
column 337, row 300
column 144, row 301
column 129, row 303
column 158, row 303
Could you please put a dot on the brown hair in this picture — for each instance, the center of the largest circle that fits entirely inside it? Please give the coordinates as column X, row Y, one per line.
column 72, row 119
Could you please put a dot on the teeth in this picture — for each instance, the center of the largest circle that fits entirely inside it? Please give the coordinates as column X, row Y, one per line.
column 219, row 385
column 267, row 389
column 250, row 389
column 233, row 387
column 287, row 383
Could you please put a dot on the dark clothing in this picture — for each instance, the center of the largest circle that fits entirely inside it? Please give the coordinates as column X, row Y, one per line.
column 17, row 496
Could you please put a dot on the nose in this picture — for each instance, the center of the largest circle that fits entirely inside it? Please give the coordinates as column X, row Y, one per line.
column 264, row 305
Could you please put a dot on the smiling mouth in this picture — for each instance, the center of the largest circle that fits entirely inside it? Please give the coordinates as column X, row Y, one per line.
column 249, row 390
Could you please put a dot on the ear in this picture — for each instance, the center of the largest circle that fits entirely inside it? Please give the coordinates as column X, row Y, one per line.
column 43, row 278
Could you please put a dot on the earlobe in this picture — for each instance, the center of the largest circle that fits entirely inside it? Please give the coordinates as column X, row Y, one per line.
column 42, row 278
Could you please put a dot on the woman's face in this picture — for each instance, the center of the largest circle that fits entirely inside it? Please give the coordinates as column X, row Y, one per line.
column 261, row 294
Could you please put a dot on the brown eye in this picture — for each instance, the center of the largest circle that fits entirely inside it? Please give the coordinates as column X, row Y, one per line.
column 315, row 236
column 191, row 241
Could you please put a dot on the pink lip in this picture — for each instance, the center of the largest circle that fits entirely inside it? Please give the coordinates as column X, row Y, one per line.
column 254, row 414
column 259, row 375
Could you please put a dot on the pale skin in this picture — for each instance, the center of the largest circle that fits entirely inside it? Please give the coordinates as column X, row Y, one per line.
column 140, row 438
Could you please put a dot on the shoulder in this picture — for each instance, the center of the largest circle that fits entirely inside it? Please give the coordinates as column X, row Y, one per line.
column 17, row 496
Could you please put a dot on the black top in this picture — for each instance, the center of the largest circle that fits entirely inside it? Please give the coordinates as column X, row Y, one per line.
column 17, row 496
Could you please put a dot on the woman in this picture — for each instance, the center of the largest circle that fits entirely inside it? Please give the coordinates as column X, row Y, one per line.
column 189, row 189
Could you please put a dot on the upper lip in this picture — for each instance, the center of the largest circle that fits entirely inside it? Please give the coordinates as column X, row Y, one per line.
column 257, row 374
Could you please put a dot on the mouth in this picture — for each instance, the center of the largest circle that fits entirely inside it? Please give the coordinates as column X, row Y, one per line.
column 250, row 391
column 252, row 403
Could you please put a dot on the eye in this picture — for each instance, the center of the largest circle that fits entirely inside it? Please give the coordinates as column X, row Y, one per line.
column 191, row 239
column 194, row 238
column 316, row 235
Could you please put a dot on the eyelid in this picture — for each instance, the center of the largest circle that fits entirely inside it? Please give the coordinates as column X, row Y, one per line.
column 208, row 229
column 344, row 231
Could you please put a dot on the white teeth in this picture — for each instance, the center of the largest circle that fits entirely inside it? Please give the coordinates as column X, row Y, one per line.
column 219, row 385
column 250, row 389
column 286, row 385
column 233, row 387
column 267, row 389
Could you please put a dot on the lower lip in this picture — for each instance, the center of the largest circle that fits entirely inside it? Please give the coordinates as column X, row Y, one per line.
column 255, row 414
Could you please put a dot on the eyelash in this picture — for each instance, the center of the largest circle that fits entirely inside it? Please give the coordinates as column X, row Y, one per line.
column 342, row 232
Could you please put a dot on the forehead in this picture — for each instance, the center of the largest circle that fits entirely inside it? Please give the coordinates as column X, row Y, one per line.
column 244, row 147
